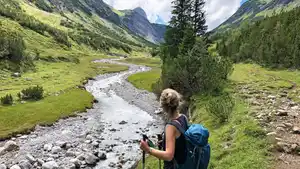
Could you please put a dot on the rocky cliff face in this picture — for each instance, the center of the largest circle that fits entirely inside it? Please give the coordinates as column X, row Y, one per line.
column 135, row 20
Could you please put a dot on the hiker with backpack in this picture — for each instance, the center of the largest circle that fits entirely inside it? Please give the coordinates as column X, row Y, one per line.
column 184, row 146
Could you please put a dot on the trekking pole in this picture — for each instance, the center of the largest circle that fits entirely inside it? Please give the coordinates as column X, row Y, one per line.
column 159, row 139
column 144, row 153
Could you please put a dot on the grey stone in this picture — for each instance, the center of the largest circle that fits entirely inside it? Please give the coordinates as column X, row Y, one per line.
column 10, row 146
column 50, row 165
column 95, row 144
column 288, row 125
column 61, row 144
column 89, row 137
column 271, row 134
column 123, row 122
column 282, row 113
column 3, row 166
column 48, row 147
column 56, row 150
column 40, row 162
column 296, row 130
column 30, row 158
column 16, row 74
column 25, row 164
column 24, row 137
column 112, row 164
column 81, row 157
column 102, row 156
column 70, row 153
column 76, row 162
column 91, row 159
column 15, row 167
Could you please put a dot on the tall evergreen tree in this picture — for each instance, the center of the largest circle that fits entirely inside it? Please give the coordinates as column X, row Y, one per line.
column 199, row 17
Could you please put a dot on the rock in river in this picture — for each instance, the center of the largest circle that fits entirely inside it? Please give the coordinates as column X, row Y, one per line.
column 50, row 165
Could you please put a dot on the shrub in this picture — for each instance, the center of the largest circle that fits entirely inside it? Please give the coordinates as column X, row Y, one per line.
column 7, row 100
column 31, row 93
column 154, row 52
column 12, row 45
column 195, row 72
column 42, row 5
column 220, row 107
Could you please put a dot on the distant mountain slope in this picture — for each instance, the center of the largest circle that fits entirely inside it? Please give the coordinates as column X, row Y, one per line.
column 257, row 9
column 136, row 21
column 133, row 20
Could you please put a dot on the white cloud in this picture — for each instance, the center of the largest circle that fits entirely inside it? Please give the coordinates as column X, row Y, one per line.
column 217, row 10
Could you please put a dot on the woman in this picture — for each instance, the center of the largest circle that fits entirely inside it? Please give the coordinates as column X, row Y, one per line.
column 173, row 143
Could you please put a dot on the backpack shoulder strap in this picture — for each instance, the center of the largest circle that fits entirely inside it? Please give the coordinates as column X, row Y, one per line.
column 177, row 124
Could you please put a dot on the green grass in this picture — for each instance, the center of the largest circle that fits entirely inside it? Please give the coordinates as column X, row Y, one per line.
column 145, row 80
column 147, row 61
column 247, row 146
column 23, row 117
column 272, row 80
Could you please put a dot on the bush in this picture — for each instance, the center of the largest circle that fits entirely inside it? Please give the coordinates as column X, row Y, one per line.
column 154, row 52
column 195, row 72
column 42, row 5
column 31, row 93
column 12, row 45
column 220, row 107
column 7, row 100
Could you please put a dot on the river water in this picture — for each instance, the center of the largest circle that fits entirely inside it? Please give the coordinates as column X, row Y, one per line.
column 114, row 125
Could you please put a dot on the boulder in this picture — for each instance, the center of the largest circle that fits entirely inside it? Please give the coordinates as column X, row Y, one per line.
column 123, row 122
column 283, row 147
column 61, row 144
column 282, row 113
column 3, row 166
column 25, row 164
column 15, row 167
column 296, row 130
column 56, row 150
column 40, row 162
column 9, row 146
column 30, row 158
column 16, row 74
column 91, row 159
column 112, row 165
column 48, row 147
column 50, row 165
column 76, row 162
column 102, row 156
column 70, row 153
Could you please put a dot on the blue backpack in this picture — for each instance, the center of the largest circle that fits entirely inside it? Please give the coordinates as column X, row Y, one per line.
column 197, row 147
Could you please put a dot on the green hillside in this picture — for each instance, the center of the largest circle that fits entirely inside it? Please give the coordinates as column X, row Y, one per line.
column 254, row 10
column 53, row 47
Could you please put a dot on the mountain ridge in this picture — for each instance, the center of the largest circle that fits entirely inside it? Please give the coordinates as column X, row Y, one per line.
column 253, row 10
column 100, row 8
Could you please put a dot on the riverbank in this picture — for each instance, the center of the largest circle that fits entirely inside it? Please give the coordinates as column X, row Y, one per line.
column 106, row 136
column 63, row 98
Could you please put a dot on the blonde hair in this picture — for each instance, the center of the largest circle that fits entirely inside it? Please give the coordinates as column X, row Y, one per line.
column 170, row 101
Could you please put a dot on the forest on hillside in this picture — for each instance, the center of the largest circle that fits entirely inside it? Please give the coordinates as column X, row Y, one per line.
column 273, row 42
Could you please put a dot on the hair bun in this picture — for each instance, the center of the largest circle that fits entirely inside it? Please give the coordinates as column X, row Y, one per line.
column 170, row 99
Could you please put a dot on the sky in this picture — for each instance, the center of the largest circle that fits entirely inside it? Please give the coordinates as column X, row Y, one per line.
column 217, row 11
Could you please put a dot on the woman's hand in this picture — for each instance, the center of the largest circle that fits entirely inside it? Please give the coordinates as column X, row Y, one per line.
column 144, row 146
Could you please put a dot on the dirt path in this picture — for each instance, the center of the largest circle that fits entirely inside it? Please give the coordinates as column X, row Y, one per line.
column 106, row 136
column 279, row 116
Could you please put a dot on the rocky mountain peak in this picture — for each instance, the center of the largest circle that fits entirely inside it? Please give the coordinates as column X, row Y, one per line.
column 140, row 11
